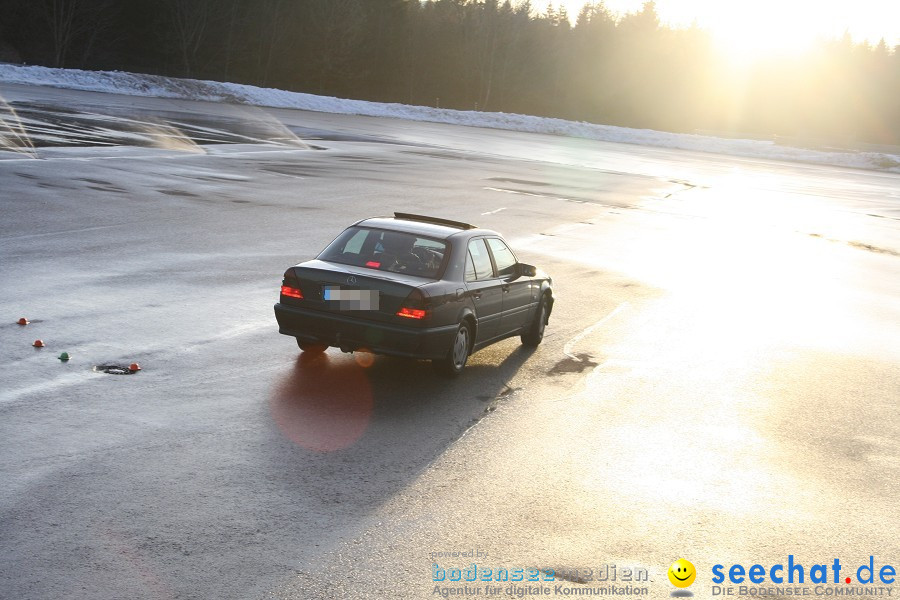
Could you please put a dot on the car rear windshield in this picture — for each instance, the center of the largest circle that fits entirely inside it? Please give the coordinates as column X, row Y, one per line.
column 382, row 250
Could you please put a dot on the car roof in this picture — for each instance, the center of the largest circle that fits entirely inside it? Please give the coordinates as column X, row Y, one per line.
column 424, row 228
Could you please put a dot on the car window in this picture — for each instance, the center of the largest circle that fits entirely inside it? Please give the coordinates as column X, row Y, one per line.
column 480, row 261
column 470, row 267
column 382, row 250
column 354, row 244
column 429, row 243
column 503, row 257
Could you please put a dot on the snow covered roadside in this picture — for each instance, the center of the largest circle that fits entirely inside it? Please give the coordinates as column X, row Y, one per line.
column 190, row 89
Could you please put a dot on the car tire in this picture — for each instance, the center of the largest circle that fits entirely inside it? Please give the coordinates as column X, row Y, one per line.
column 458, row 354
column 311, row 348
column 535, row 332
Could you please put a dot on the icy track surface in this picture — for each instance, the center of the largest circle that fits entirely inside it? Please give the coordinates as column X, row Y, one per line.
column 719, row 378
column 190, row 89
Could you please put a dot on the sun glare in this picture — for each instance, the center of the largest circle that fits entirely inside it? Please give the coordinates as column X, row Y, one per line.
column 746, row 35
column 746, row 30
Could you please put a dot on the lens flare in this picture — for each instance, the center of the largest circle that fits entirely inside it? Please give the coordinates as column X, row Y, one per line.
column 323, row 405
column 364, row 359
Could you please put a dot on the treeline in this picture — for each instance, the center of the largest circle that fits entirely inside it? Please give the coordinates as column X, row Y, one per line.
column 475, row 55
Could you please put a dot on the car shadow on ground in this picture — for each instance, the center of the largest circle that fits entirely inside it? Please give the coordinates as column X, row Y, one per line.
column 376, row 424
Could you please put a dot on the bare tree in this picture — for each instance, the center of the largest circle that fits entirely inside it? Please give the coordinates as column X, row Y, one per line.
column 229, row 41
column 189, row 21
column 73, row 22
column 273, row 35
column 336, row 29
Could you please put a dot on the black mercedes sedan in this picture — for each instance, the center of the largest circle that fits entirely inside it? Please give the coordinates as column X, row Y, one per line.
column 414, row 286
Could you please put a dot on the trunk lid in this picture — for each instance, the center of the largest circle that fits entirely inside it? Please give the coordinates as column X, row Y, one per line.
column 353, row 291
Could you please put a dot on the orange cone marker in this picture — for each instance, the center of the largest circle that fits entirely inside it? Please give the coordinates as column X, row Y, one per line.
column 23, row 321
column 134, row 367
column 38, row 343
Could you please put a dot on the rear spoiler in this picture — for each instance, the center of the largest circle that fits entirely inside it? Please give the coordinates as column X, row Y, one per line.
column 435, row 220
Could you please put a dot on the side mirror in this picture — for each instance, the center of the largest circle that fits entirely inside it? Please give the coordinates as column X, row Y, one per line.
column 526, row 270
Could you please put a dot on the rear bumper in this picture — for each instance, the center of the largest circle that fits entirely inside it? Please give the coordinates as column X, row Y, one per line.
column 348, row 333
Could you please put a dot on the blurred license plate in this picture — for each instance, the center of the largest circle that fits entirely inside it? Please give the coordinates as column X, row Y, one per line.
column 345, row 299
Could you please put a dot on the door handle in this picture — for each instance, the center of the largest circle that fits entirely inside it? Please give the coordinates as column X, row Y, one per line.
column 476, row 295
column 505, row 287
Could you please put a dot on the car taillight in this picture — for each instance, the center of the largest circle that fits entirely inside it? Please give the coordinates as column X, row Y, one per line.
column 291, row 292
column 412, row 313
column 415, row 306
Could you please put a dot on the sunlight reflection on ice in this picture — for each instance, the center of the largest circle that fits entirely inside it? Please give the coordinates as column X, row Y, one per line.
column 12, row 132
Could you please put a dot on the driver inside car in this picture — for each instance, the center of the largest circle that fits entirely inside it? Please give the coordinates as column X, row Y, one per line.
column 397, row 252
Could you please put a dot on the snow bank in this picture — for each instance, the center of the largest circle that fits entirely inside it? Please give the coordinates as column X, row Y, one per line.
column 191, row 89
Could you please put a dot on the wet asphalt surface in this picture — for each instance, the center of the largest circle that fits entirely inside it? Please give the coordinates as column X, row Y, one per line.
column 719, row 379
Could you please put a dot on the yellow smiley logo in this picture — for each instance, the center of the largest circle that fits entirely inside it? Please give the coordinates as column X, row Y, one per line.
column 682, row 573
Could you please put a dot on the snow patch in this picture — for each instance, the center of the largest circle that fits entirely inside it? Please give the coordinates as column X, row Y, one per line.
column 133, row 84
